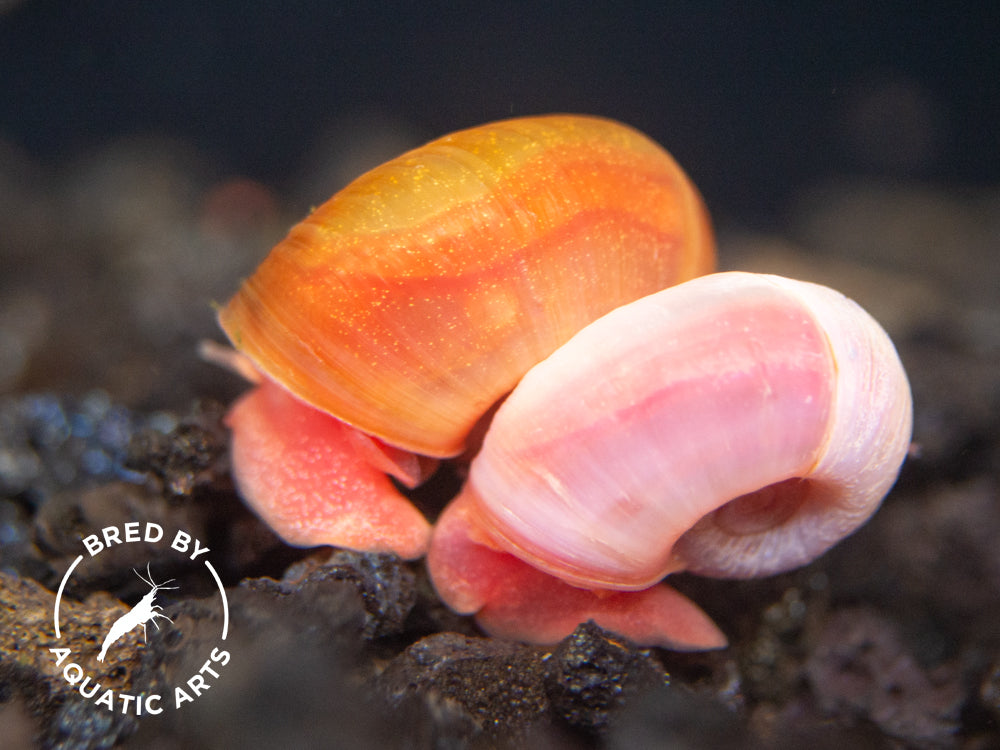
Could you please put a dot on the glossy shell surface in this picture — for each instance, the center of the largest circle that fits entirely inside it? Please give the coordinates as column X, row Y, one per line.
column 735, row 425
column 421, row 293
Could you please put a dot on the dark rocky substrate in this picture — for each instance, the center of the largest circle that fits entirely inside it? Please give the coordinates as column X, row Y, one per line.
column 888, row 641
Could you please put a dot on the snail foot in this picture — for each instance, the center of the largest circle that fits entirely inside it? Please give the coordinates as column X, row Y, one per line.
column 511, row 599
column 316, row 481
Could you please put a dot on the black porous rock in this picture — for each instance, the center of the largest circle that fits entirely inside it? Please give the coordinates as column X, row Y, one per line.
column 193, row 453
column 591, row 673
column 494, row 685
column 294, row 672
column 387, row 586
column 30, row 671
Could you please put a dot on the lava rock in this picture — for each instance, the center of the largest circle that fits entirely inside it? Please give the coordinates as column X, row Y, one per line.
column 66, row 518
column 387, row 586
column 193, row 453
column 29, row 669
column 497, row 685
column 297, row 676
column 592, row 673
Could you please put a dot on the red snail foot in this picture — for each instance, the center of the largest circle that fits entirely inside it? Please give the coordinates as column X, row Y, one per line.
column 511, row 599
column 315, row 481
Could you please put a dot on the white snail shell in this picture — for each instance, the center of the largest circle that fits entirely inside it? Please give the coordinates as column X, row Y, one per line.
column 735, row 425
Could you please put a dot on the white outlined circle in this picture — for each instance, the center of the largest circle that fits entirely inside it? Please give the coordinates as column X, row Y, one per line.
column 145, row 611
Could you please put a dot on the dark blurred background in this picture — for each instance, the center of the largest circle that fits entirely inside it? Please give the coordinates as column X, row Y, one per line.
column 753, row 98
column 151, row 153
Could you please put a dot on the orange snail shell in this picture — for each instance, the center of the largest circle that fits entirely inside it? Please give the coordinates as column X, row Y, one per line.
column 419, row 295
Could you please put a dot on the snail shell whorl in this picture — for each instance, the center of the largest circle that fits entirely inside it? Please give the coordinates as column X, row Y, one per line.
column 614, row 462
column 870, row 426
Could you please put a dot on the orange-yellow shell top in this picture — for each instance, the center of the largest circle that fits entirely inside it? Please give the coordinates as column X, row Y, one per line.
column 418, row 295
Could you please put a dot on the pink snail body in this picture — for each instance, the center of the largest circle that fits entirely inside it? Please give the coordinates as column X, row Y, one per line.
column 735, row 425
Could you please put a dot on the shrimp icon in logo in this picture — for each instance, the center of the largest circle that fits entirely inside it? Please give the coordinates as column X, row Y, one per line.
column 141, row 702
column 144, row 611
